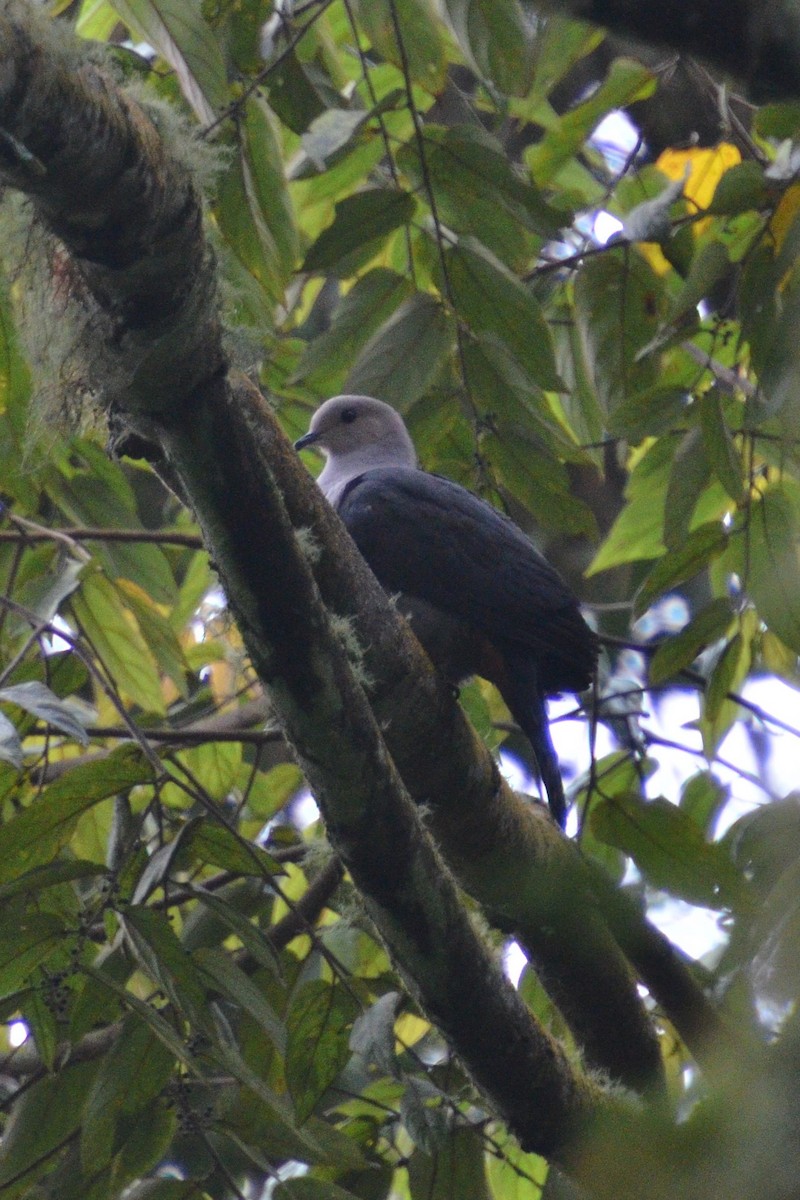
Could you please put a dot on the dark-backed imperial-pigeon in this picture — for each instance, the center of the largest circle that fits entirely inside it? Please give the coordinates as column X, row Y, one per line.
column 480, row 597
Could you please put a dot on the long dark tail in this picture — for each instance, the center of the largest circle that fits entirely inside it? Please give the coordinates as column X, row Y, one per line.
column 529, row 709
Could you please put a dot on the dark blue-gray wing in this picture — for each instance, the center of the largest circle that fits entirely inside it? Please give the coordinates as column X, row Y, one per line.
column 429, row 537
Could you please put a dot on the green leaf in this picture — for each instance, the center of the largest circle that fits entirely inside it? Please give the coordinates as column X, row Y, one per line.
column 649, row 413
column 419, row 43
column 403, row 358
column 538, row 481
column 221, row 847
column 331, row 132
column 456, row 1169
column 670, row 851
column 706, row 627
column 168, row 964
column 36, row 834
column 42, row 1122
column 700, row 548
column 114, row 633
column 229, row 979
column 361, row 225
column 148, row 1134
column 730, row 671
column 51, row 875
column 773, row 559
column 272, row 790
column 262, row 147
column 177, row 30
column 513, row 1174
column 308, row 1188
column 38, row 700
column 702, row 798
column 479, row 192
column 499, row 39
column 317, row 1044
column 216, row 764
column 490, row 298
column 619, row 304
column 252, row 938
column 24, row 943
column 720, row 451
column 637, row 532
column 150, row 1015
column 158, row 633
column 15, row 386
column 709, row 265
column 425, row 1113
column 99, row 495
column 368, row 305
column 741, row 188
column 132, row 1073
column 373, row 1034
column 687, row 480
column 245, row 230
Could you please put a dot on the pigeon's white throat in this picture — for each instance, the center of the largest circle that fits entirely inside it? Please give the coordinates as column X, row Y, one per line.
column 342, row 469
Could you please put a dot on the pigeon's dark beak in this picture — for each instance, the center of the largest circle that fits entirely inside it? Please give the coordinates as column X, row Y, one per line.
column 308, row 439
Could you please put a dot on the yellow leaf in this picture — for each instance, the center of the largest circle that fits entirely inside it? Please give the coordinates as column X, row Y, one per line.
column 784, row 216
column 706, row 168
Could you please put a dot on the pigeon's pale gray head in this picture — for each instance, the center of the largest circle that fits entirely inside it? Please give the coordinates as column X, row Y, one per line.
column 357, row 434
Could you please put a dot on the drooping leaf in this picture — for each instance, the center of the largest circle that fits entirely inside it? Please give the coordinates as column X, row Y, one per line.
column 699, row 549
column 730, row 671
column 38, row 700
column 406, row 31
column 228, row 978
column 168, row 964
column 492, row 300
column 706, row 627
column 367, row 306
column 404, row 356
column 178, row 31
column 131, row 1074
column 499, row 39
column 10, row 744
column 774, row 562
column 219, row 846
column 24, row 943
column 619, row 302
column 252, row 938
column 718, row 442
column 316, row 1048
column 670, row 850
column 360, row 226
column 478, row 192
column 455, row 1169
column 373, row 1033
column 687, row 480
column 35, row 835
column 116, row 635
column 42, row 1121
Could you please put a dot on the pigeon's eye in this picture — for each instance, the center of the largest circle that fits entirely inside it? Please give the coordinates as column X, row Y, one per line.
column 349, row 415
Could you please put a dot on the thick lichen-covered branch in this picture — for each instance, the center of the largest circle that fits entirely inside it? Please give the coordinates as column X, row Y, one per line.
column 102, row 180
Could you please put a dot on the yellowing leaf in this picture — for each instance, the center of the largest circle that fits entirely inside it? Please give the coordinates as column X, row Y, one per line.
column 115, row 634
column 706, row 168
column 785, row 215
